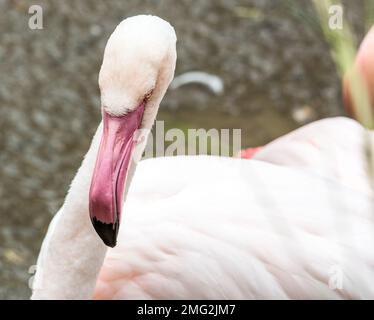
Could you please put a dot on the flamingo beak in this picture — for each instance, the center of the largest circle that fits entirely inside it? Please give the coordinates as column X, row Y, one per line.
column 110, row 173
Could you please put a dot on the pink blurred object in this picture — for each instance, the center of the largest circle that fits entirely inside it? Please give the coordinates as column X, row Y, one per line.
column 249, row 153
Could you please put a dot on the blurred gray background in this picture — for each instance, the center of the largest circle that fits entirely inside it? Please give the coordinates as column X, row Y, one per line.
column 270, row 54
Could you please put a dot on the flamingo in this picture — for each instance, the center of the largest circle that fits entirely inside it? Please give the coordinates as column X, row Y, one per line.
column 364, row 66
column 204, row 227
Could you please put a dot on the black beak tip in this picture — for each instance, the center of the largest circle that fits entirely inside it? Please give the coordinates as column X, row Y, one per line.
column 106, row 231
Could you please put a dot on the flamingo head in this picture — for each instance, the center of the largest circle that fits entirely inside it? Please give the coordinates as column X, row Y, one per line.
column 138, row 66
column 364, row 66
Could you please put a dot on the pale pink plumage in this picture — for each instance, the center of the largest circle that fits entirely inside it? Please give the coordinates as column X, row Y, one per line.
column 207, row 227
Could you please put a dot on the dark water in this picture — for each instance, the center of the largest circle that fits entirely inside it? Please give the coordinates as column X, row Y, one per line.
column 270, row 58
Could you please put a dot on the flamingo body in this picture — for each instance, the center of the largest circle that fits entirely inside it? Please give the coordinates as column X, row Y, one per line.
column 227, row 228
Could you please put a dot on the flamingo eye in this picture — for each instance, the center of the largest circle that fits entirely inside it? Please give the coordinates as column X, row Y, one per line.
column 148, row 95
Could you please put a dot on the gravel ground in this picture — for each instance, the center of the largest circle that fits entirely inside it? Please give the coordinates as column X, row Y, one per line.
column 270, row 55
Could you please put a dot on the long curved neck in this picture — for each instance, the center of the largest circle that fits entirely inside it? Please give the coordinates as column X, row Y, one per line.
column 72, row 253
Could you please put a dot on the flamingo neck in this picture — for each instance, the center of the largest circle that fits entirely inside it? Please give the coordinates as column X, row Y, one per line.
column 72, row 254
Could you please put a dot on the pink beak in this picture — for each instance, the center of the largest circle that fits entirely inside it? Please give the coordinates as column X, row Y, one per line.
column 109, row 177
